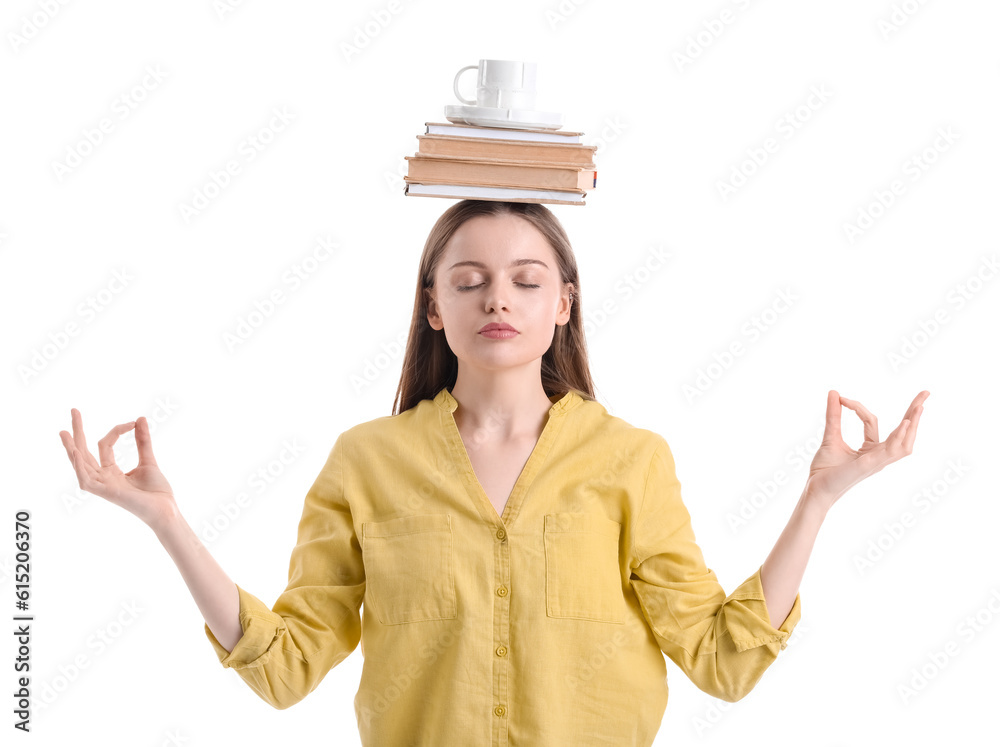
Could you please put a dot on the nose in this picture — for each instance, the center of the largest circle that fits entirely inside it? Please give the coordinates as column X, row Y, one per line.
column 495, row 299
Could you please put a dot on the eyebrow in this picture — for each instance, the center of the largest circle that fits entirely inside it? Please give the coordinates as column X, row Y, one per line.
column 515, row 263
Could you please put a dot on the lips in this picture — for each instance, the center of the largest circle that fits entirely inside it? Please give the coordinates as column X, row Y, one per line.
column 497, row 326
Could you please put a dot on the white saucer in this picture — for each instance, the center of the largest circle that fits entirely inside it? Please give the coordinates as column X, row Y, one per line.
column 515, row 119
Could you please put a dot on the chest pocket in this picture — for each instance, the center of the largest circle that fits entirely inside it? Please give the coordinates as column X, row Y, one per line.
column 410, row 568
column 582, row 578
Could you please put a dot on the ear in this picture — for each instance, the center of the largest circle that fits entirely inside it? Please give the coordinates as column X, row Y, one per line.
column 565, row 309
column 433, row 316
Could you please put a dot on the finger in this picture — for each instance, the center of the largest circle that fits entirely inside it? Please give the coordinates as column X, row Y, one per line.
column 870, row 421
column 911, row 433
column 79, row 439
column 143, row 442
column 106, row 444
column 894, row 445
column 86, row 475
column 918, row 401
column 833, row 414
column 74, row 455
column 884, row 453
column 911, row 417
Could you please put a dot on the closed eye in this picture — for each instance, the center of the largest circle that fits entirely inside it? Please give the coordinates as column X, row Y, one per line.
column 470, row 287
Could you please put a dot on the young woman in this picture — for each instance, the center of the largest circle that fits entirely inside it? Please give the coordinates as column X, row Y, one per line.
column 524, row 558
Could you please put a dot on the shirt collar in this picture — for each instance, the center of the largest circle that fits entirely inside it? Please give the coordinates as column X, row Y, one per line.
column 568, row 401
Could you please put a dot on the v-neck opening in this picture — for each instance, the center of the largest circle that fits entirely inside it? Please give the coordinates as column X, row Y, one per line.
column 539, row 452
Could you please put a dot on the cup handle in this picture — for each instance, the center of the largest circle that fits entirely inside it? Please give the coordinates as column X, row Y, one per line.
column 457, row 76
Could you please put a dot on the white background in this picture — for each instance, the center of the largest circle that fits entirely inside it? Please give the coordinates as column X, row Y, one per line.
column 669, row 133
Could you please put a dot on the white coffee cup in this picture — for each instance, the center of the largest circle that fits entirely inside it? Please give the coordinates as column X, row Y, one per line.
column 502, row 84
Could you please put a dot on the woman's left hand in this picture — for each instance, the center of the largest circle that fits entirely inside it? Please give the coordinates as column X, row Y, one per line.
column 837, row 467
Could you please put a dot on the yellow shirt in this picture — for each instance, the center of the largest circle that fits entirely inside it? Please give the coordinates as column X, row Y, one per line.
column 544, row 627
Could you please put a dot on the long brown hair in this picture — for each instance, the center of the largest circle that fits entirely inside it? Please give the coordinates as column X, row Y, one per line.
column 429, row 364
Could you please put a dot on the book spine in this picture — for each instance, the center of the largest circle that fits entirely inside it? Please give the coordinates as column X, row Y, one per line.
column 498, row 174
column 506, row 150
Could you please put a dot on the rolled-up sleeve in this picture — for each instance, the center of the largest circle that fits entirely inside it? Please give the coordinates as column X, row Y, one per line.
column 722, row 643
column 286, row 651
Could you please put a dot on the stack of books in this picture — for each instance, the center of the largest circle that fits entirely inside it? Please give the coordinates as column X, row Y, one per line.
column 466, row 161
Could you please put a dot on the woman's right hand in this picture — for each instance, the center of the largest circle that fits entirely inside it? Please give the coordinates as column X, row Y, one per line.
column 144, row 491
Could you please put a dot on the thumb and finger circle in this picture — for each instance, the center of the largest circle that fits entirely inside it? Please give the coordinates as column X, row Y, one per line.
column 143, row 443
column 105, row 447
column 869, row 420
column 87, row 468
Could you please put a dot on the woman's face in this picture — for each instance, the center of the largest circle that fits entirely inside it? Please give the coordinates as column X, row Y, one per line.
column 498, row 269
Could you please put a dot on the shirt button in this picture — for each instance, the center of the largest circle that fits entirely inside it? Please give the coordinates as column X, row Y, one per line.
column 501, row 650
column 499, row 710
column 502, row 591
column 501, row 534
